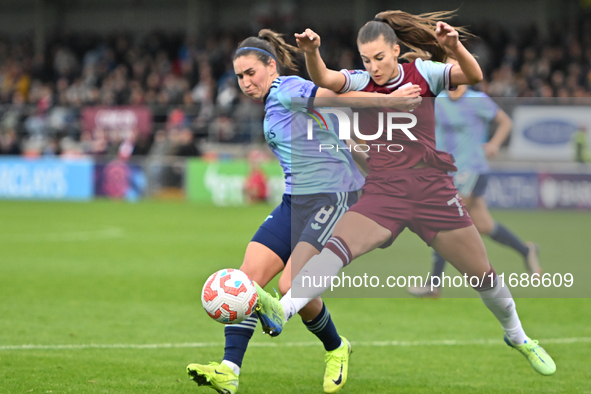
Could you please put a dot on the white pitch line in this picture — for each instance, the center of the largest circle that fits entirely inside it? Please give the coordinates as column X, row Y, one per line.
column 450, row 342
column 78, row 236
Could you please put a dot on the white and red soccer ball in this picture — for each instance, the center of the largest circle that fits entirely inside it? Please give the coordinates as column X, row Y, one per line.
column 229, row 296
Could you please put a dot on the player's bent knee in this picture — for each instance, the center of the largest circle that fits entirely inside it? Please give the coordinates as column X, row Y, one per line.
column 259, row 273
column 483, row 227
column 261, row 264
column 487, row 282
column 255, row 274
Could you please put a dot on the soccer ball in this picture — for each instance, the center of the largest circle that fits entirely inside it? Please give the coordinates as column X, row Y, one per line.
column 229, row 296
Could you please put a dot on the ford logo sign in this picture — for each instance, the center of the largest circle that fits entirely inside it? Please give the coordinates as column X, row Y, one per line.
column 550, row 132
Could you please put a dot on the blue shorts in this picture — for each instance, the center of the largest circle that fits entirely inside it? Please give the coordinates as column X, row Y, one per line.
column 471, row 184
column 310, row 218
column 480, row 187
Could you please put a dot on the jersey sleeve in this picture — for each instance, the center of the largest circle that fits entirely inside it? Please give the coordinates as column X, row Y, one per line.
column 295, row 87
column 487, row 108
column 437, row 75
column 355, row 80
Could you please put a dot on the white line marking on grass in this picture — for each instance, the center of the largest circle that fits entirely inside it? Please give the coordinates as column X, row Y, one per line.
column 450, row 342
column 74, row 236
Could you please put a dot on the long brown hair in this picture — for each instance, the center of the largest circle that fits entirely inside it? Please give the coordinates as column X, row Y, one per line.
column 272, row 43
column 415, row 31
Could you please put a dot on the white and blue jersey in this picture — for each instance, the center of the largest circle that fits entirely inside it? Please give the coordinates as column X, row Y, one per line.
column 307, row 169
column 461, row 127
column 320, row 185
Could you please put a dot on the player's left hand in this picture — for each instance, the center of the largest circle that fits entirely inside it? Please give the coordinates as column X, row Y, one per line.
column 490, row 150
column 446, row 35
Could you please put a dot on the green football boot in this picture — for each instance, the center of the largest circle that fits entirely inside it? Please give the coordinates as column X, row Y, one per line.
column 337, row 366
column 269, row 311
column 218, row 376
column 536, row 355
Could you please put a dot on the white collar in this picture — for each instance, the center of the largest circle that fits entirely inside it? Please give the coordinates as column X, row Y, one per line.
column 396, row 80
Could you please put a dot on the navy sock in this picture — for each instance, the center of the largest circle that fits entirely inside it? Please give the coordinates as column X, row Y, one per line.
column 323, row 327
column 502, row 235
column 237, row 338
column 438, row 265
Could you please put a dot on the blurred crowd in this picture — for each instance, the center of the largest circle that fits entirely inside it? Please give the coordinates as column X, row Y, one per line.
column 527, row 63
column 192, row 93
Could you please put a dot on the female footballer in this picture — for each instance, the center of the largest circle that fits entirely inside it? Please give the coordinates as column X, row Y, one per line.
column 462, row 118
column 311, row 205
column 412, row 189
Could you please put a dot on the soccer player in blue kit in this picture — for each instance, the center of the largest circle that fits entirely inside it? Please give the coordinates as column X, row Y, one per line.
column 462, row 118
column 312, row 204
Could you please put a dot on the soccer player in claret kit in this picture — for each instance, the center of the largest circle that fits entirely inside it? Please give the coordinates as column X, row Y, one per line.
column 410, row 188
column 462, row 118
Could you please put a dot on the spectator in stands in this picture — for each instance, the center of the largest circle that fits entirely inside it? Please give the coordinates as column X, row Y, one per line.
column 184, row 143
column 9, row 144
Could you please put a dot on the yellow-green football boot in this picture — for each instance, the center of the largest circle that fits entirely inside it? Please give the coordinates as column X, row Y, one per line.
column 218, row 376
column 269, row 311
column 536, row 355
column 337, row 366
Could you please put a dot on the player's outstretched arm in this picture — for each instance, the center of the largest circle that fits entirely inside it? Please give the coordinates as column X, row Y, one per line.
column 404, row 99
column 504, row 124
column 309, row 42
column 469, row 71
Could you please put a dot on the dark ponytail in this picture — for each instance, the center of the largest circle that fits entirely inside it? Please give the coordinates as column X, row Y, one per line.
column 269, row 45
column 415, row 31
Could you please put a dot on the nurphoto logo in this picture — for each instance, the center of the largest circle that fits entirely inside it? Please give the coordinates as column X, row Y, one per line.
column 344, row 122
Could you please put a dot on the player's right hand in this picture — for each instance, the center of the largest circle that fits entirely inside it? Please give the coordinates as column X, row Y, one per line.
column 407, row 98
column 308, row 41
column 490, row 150
column 408, row 91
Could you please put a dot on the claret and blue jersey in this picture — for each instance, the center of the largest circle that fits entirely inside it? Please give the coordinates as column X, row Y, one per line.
column 432, row 78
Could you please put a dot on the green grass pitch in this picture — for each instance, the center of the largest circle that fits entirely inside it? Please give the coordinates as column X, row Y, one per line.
column 107, row 295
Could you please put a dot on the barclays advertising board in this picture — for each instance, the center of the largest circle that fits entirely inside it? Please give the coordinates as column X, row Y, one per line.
column 564, row 191
column 550, row 131
column 533, row 190
column 545, row 133
column 46, row 179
